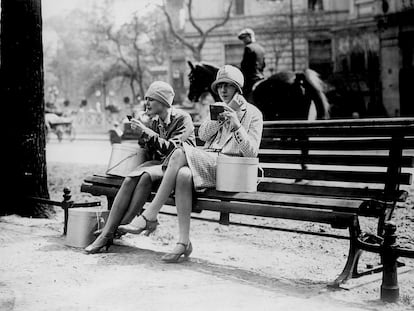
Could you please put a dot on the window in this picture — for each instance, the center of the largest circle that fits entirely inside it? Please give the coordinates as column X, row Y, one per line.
column 233, row 53
column 239, row 7
column 320, row 56
column 315, row 5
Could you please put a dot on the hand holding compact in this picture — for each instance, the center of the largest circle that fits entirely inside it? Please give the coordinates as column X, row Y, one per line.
column 231, row 116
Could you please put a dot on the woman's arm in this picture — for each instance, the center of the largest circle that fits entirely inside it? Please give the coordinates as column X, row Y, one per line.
column 208, row 129
column 249, row 139
column 184, row 131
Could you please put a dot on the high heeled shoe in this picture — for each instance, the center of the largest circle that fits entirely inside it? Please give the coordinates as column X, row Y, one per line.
column 175, row 257
column 98, row 244
column 150, row 226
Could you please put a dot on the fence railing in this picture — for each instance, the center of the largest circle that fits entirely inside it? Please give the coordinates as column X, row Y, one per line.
column 93, row 121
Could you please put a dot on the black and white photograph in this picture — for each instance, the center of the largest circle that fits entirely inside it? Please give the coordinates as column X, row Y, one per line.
column 194, row 155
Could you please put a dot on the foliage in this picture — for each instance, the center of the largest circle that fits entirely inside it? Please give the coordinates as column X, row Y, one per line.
column 89, row 50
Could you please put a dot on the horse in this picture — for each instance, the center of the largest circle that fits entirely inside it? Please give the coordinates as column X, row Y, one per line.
column 286, row 95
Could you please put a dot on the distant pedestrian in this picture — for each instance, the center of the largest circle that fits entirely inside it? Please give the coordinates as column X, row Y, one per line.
column 253, row 62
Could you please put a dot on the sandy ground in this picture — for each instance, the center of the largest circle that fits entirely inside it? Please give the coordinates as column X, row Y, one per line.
column 231, row 268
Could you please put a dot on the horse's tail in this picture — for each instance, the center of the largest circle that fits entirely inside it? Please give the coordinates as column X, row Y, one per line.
column 315, row 86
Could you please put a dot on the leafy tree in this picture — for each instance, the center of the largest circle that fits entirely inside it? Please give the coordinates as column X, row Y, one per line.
column 131, row 49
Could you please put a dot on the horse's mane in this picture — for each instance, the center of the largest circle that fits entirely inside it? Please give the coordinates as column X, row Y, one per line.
column 209, row 67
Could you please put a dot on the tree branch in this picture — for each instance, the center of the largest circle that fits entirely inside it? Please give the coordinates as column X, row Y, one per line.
column 174, row 31
column 190, row 17
column 215, row 26
column 119, row 49
column 223, row 22
column 195, row 49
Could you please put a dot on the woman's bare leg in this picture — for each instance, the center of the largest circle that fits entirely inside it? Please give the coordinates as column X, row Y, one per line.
column 177, row 161
column 184, row 203
column 139, row 198
column 120, row 205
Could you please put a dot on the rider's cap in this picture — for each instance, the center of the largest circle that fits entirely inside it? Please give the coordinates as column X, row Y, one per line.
column 245, row 32
column 162, row 92
column 229, row 74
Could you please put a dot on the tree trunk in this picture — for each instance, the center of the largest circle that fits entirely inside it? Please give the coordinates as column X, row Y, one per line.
column 197, row 53
column 23, row 107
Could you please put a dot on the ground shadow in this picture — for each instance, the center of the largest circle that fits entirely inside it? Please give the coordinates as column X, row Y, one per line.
column 122, row 254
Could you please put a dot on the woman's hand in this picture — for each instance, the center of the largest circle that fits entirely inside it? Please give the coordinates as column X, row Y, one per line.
column 230, row 116
column 137, row 126
column 140, row 128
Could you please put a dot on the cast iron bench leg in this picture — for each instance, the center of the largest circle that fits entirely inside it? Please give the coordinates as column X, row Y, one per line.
column 351, row 266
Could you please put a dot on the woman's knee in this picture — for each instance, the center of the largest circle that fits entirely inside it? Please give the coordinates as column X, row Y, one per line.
column 177, row 157
column 184, row 176
column 130, row 182
column 145, row 180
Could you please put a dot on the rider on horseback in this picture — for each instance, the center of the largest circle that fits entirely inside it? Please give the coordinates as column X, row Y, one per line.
column 253, row 61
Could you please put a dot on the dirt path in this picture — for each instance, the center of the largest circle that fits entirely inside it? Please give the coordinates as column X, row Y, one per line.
column 38, row 272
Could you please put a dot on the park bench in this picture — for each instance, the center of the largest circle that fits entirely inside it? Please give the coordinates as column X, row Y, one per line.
column 330, row 172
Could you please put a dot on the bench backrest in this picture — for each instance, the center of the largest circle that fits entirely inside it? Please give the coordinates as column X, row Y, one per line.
column 344, row 158
column 347, row 158
column 357, row 158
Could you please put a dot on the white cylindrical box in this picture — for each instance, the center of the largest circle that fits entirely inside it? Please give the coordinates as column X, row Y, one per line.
column 82, row 223
column 237, row 174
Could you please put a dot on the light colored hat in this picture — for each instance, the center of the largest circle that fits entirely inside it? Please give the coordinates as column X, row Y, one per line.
column 229, row 74
column 246, row 31
column 161, row 91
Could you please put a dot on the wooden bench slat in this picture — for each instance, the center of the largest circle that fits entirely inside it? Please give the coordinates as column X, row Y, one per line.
column 99, row 190
column 333, row 159
column 285, row 199
column 285, row 212
column 400, row 123
column 326, row 175
column 105, row 180
column 328, row 191
column 386, row 131
column 358, row 193
column 336, row 144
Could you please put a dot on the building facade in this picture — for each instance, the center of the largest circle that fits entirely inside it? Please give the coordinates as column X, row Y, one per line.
column 355, row 44
column 396, row 37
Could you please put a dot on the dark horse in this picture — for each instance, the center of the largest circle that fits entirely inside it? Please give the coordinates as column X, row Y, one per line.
column 285, row 95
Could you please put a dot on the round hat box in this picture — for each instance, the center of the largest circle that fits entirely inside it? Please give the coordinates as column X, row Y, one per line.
column 125, row 158
column 237, row 174
column 82, row 223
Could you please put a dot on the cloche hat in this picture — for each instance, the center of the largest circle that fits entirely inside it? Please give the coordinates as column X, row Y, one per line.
column 229, row 74
column 161, row 91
